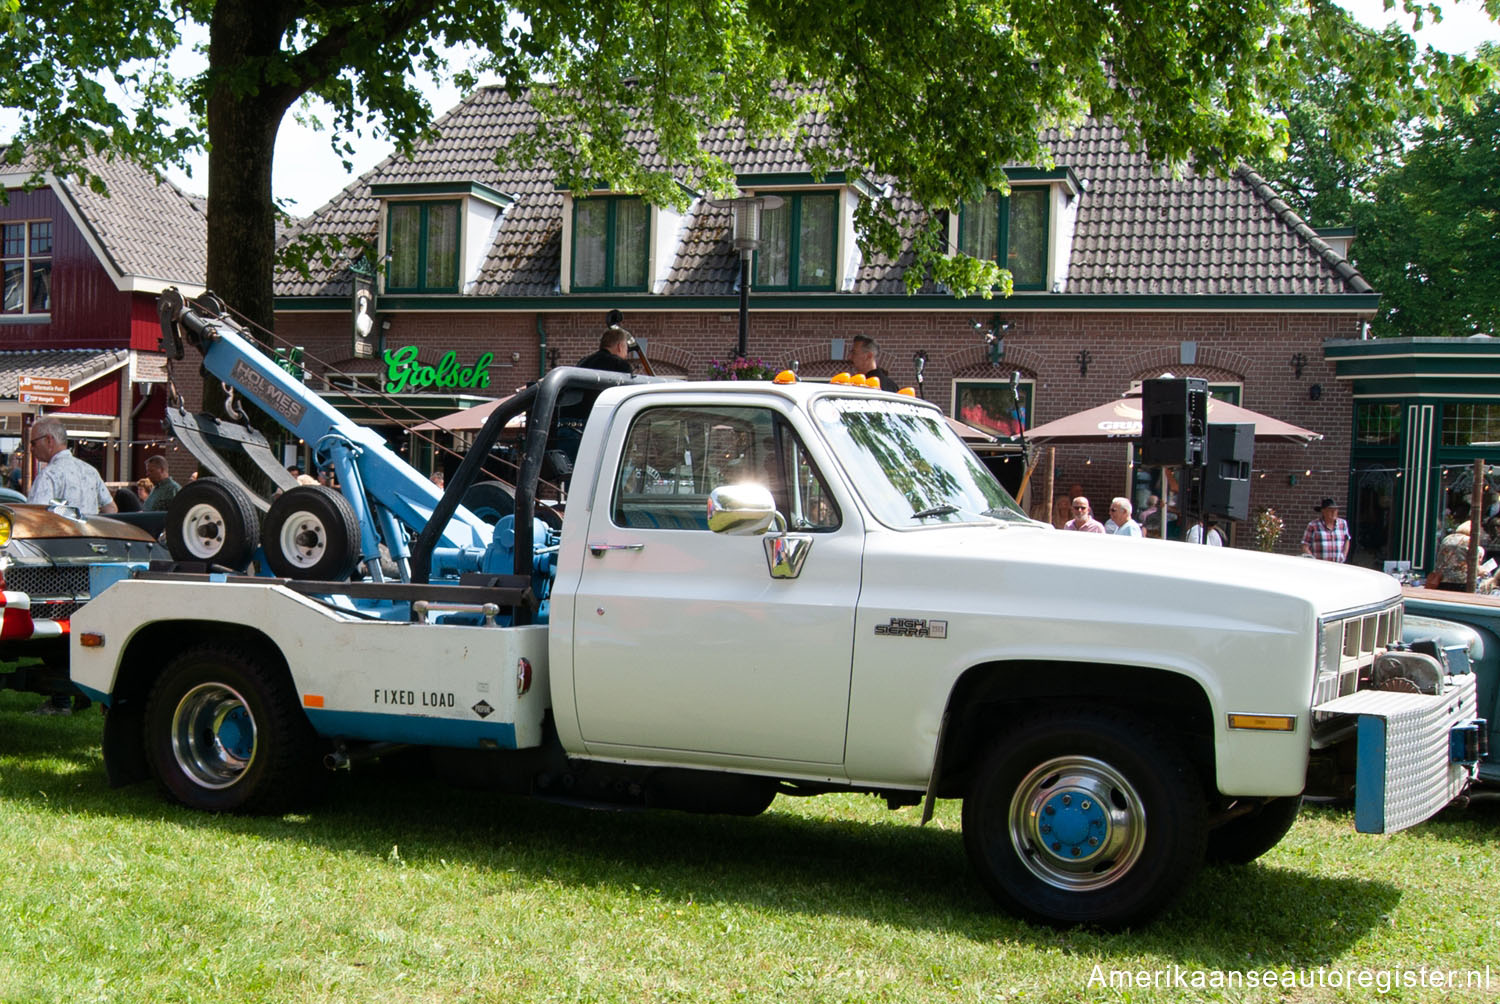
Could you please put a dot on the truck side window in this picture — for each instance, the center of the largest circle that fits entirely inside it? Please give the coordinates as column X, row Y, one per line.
column 674, row 456
column 801, row 494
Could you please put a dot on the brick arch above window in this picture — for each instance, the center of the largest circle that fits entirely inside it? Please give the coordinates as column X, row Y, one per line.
column 670, row 357
column 974, row 362
column 1212, row 374
column 1213, row 362
column 815, row 359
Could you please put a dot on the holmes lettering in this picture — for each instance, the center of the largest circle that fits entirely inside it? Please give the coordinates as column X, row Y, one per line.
column 403, row 372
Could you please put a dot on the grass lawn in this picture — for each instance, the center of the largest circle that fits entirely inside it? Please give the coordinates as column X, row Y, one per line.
column 401, row 890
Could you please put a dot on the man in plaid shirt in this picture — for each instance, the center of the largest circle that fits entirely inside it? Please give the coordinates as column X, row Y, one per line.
column 1327, row 537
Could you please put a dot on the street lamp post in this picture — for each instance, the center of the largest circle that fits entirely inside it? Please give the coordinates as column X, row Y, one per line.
column 745, row 237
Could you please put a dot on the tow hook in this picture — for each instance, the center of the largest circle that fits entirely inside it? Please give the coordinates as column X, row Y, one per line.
column 1469, row 743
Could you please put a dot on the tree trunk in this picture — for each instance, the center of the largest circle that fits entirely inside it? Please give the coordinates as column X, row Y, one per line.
column 244, row 113
column 241, row 215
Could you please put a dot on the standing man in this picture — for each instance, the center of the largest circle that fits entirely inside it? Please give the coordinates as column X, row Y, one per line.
column 163, row 487
column 65, row 478
column 1120, row 522
column 864, row 359
column 1083, row 518
column 1327, row 537
column 610, row 355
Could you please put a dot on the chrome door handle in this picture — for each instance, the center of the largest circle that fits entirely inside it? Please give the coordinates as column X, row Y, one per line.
column 598, row 547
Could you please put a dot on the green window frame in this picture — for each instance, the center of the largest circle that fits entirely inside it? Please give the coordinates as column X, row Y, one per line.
column 991, row 406
column 1229, row 393
column 1019, row 222
column 26, row 267
column 611, row 244
column 1463, row 423
column 799, row 243
column 422, row 246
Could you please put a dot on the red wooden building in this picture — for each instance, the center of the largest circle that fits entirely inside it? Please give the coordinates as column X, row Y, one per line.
column 81, row 271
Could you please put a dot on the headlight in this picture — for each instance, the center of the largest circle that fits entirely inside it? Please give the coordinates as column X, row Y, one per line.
column 4, row 528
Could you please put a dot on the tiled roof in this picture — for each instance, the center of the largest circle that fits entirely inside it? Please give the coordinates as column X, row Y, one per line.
column 77, row 366
column 146, row 228
column 1138, row 231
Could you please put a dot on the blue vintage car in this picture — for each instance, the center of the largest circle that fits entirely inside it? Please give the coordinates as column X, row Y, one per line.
column 1467, row 627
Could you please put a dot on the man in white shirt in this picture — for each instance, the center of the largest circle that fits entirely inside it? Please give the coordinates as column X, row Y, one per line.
column 1120, row 521
column 65, row 479
column 1210, row 525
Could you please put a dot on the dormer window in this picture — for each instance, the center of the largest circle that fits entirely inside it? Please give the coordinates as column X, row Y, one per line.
column 437, row 233
column 798, row 242
column 422, row 241
column 611, row 244
column 1018, row 223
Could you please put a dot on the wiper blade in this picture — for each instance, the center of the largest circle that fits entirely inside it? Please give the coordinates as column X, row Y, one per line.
column 946, row 509
column 1005, row 514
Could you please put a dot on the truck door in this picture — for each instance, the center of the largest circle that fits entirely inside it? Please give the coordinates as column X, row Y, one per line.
column 681, row 639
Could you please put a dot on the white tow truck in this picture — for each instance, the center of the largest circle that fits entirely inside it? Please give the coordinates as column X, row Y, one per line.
column 789, row 588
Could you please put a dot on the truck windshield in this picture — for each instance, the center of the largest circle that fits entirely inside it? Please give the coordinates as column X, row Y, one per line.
column 909, row 466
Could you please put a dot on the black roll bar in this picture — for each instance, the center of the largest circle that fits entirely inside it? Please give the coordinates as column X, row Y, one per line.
column 539, row 401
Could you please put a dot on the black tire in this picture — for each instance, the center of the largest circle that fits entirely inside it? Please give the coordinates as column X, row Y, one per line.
column 1245, row 838
column 223, row 733
column 312, row 533
column 1084, row 817
column 213, row 521
column 490, row 500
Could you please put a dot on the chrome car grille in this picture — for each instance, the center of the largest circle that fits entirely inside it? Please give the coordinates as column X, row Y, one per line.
column 56, row 591
column 1347, row 647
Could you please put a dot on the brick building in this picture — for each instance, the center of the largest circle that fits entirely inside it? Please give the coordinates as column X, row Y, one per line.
column 1121, row 273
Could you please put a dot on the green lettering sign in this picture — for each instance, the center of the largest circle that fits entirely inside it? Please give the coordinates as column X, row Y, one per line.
column 403, row 372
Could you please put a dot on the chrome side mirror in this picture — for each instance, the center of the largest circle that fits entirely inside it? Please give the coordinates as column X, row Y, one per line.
column 742, row 510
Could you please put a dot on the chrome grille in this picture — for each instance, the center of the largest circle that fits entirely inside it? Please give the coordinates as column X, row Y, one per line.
column 1347, row 649
column 56, row 591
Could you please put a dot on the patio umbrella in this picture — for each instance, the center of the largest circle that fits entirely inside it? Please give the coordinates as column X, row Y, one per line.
column 468, row 419
column 1121, row 420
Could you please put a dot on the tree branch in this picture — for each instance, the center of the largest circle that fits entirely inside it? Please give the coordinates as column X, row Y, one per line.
column 321, row 61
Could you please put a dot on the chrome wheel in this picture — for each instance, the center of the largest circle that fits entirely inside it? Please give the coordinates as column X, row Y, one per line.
column 1076, row 823
column 213, row 735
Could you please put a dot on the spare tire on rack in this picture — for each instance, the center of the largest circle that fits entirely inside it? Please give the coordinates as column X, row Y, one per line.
column 490, row 500
column 213, row 521
column 312, row 533
column 493, row 500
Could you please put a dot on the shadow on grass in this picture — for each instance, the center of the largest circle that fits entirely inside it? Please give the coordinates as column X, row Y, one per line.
column 889, row 873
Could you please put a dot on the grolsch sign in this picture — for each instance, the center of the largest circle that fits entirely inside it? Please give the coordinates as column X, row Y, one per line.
column 404, row 373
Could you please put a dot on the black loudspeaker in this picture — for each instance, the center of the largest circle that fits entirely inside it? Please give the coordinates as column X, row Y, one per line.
column 1226, row 479
column 1174, row 422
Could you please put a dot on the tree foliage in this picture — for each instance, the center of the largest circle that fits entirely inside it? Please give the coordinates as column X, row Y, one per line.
column 1321, row 182
column 936, row 94
column 1429, row 239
